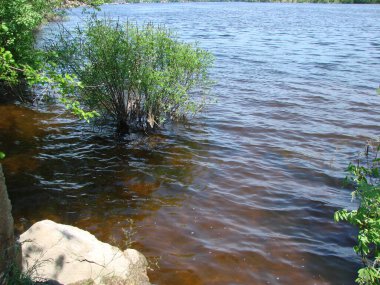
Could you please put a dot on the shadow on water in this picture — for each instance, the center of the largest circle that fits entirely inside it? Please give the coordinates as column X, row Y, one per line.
column 60, row 170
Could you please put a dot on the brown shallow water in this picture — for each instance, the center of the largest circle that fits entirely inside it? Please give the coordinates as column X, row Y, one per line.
column 246, row 193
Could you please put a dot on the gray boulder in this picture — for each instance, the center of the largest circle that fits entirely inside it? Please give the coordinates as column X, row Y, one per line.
column 69, row 255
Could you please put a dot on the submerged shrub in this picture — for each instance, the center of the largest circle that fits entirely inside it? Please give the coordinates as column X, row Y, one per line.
column 138, row 76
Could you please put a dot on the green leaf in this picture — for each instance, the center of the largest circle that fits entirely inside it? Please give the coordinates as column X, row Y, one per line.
column 2, row 155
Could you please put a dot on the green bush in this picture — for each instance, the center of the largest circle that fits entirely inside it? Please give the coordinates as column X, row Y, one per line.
column 365, row 176
column 19, row 20
column 138, row 76
column 21, row 64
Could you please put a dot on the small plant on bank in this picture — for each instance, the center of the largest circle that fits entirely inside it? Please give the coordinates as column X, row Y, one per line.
column 137, row 76
column 365, row 176
column 14, row 276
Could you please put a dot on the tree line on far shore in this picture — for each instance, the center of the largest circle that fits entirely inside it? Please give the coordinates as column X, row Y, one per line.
column 253, row 1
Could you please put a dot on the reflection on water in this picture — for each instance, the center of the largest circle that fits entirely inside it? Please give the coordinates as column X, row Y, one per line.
column 244, row 195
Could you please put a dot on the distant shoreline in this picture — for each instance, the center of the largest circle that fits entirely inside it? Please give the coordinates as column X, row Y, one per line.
column 248, row 1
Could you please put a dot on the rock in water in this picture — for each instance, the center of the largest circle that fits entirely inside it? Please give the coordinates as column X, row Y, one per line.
column 70, row 255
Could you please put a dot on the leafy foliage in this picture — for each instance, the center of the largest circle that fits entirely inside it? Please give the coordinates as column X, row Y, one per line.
column 139, row 76
column 8, row 72
column 365, row 176
column 21, row 64
column 19, row 20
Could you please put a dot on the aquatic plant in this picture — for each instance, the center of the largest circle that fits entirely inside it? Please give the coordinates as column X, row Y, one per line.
column 365, row 176
column 139, row 76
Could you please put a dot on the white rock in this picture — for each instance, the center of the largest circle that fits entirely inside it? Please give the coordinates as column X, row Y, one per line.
column 68, row 255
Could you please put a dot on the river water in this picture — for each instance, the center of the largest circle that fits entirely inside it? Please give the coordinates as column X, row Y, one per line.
column 245, row 194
